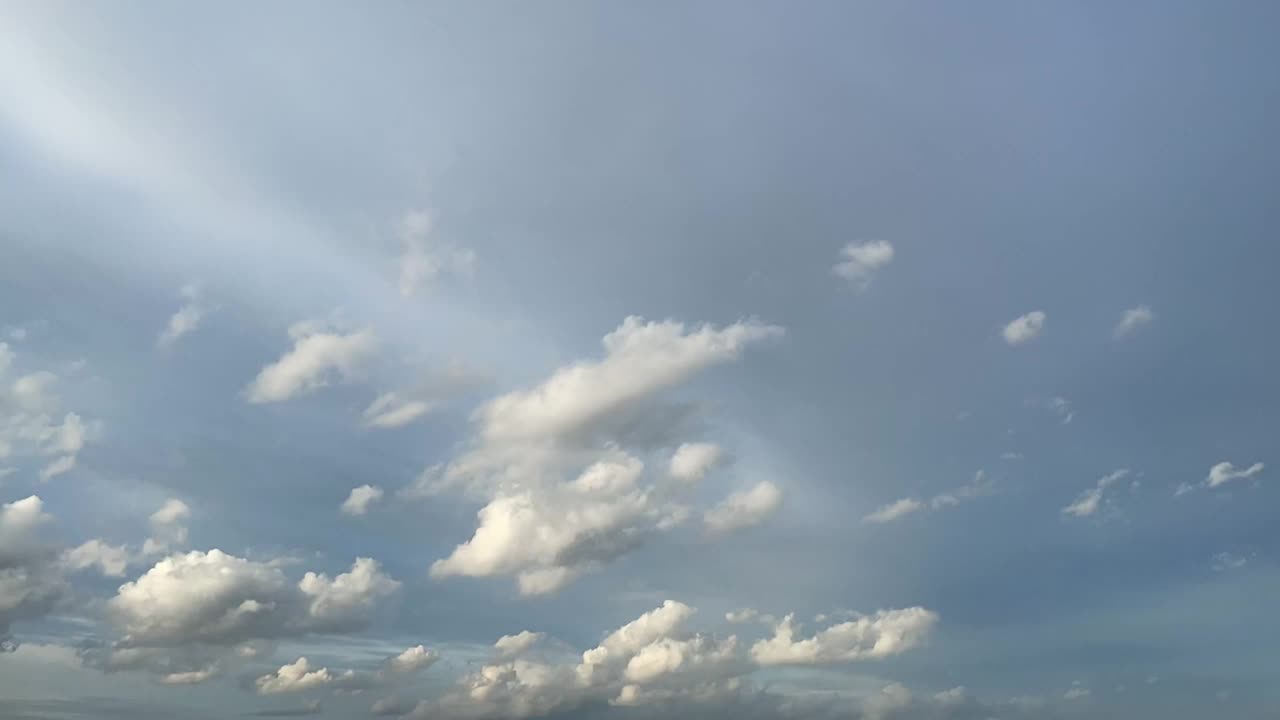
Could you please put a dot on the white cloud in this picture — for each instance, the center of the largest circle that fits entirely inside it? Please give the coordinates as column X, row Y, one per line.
column 422, row 260
column 28, row 428
column 294, row 677
column 391, row 410
column 744, row 509
column 894, row 510
column 640, row 358
column 692, row 461
column 513, row 645
column 1131, row 320
column 413, row 660
column 358, row 502
column 318, row 358
column 1088, row 502
column 218, row 599
column 886, row 633
column 860, row 262
column 1224, row 472
column 1025, row 327
column 1077, row 692
column 559, row 465
column 167, row 527
column 190, row 677
column 187, row 317
column 111, row 560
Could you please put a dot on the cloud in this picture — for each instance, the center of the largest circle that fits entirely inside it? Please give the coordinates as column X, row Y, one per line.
column 1024, row 328
column 1224, row 472
column 744, row 509
column 216, row 599
column 30, row 582
column 187, row 317
column 318, row 358
column 167, row 527
column 294, row 677
column 391, row 410
column 886, row 633
column 1061, row 407
column 979, row 486
column 413, row 660
column 29, row 408
column 191, row 677
column 1131, row 320
column 360, row 499
column 512, row 645
column 1088, row 502
column 894, row 510
column 111, row 560
column 859, row 262
column 560, row 468
column 422, row 260
column 692, row 461
column 1225, row 561
column 640, row 358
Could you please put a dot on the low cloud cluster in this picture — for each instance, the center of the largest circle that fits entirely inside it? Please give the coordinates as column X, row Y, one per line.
column 587, row 465
column 33, row 423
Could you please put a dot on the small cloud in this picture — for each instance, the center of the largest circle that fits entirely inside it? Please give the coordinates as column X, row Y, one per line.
column 1025, row 327
column 187, row 317
column 859, row 263
column 358, row 502
column 1224, row 472
column 1225, row 561
column 1131, row 320
column 423, row 259
column 1088, row 502
column 1011, row 456
column 894, row 510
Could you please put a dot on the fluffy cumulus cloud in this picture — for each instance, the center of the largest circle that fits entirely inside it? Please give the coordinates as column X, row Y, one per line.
column 423, row 258
column 413, row 660
column 33, row 423
column 692, row 461
column 293, row 677
column 657, row 659
column 1131, row 320
column 110, row 560
column 885, row 633
column 1024, row 328
column 1089, row 501
column 210, row 604
column 30, row 583
column 358, row 502
column 572, row 470
column 859, row 262
column 744, row 509
column 320, row 356
column 518, row 644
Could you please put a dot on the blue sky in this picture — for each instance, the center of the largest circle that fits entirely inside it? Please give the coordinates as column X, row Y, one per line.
column 541, row 360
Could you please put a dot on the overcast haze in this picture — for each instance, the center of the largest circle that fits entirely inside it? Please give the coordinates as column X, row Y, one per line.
column 875, row 361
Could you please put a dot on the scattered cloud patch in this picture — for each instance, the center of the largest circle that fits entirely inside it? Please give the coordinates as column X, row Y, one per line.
column 1025, row 328
column 1131, row 320
column 744, row 509
column 859, row 263
column 187, row 318
column 1224, row 472
column 423, row 259
column 1088, row 502
column 319, row 357
column 358, row 502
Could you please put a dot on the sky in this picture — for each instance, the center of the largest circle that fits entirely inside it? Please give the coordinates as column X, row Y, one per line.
column 817, row 361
